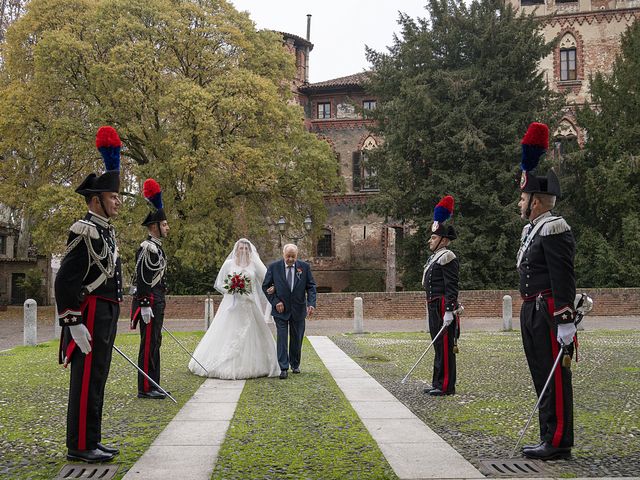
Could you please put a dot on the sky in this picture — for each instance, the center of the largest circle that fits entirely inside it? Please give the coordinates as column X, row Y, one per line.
column 340, row 29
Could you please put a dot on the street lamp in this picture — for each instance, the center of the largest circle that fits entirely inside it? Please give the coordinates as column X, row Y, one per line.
column 282, row 226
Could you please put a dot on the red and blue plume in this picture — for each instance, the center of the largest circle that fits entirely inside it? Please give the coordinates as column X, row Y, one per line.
column 108, row 144
column 152, row 193
column 534, row 143
column 443, row 210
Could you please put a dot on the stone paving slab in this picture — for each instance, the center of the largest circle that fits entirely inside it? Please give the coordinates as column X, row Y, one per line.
column 421, row 455
column 193, row 433
column 188, row 447
column 174, row 462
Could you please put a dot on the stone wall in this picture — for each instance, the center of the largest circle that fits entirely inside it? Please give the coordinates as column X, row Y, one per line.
column 411, row 305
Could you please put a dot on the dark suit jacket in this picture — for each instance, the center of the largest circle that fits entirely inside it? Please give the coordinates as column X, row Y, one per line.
column 296, row 301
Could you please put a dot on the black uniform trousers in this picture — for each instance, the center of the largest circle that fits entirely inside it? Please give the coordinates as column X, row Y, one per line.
column 150, row 342
column 541, row 348
column 89, row 374
column 444, row 362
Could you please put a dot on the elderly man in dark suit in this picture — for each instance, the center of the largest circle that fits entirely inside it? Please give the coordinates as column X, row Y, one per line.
column 291, row 290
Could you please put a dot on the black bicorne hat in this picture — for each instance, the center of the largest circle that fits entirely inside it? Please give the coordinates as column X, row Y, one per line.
column 534, row 144
column 441, row 213
column 153, row 194
column 109, row 144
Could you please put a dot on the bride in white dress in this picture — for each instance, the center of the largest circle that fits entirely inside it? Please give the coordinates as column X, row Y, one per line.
column 239, row 343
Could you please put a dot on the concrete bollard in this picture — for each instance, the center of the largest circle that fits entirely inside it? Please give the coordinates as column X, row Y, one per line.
column 208, row 312
column 507, row 313
column 357, row 315
column 57, row 329
column 30, row 323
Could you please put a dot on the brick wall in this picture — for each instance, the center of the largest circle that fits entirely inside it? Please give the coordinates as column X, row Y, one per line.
column 409, row 305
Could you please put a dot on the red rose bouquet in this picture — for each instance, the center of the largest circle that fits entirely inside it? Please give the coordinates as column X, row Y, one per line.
column 237, row 283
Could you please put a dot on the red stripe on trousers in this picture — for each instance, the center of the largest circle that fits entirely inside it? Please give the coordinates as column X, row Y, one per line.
column 147, row 349
column 557, row 380
column 132, row 323
column 86, row 377
column 445, row 350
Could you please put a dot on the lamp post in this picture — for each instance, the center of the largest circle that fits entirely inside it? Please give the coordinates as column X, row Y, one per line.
column 282, row 227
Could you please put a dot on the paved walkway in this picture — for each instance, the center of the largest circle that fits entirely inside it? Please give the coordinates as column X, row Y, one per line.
column 413, row 450
column 188, row 447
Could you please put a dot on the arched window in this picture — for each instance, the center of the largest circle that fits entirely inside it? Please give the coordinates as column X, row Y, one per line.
column 565, row 139
column 568, row 58
column 364, row 176
column 324, row 248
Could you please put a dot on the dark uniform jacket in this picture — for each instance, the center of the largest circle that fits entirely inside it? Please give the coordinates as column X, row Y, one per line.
column 150, row 281
column 92, row 266
column 546, row 265
column 440, row 279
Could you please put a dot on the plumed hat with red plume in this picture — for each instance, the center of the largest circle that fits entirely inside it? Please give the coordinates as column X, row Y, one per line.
column 108, row 144
column 441, row 213
column 534, row 144
column 153, row 194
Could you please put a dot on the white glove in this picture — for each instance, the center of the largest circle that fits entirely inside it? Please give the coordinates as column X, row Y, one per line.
column 147, row 314
column 81, row 336
column 566, row 331
column 448, row 318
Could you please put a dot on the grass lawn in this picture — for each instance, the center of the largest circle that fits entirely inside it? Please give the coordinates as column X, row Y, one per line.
column 299, row 428
column 495, row 395
column 33, row 405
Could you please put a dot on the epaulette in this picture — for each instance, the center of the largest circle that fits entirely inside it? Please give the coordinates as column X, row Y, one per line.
column 554, row 227
column 85, row 228
column 446, row 257
column 152, row 247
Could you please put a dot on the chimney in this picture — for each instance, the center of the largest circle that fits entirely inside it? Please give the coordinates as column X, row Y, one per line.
column 307, row 50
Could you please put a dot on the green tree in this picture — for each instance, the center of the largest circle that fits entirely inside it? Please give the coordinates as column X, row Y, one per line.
column 201, row 101
column 604, row 190
column 456, row 93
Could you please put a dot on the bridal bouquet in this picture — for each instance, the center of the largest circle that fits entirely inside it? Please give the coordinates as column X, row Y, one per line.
column 237, row 283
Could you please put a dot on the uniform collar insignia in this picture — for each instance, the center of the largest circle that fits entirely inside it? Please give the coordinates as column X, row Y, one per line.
column 99, row 220
column 155, row 240
column 540, row 217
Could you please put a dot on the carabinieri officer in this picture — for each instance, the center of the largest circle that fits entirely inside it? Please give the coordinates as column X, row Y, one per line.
column 548, row 288
column 88, row 291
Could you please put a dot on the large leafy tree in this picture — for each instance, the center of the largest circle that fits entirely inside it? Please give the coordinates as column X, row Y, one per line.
column 604, row 193
column 201, row 101
column 457, row 91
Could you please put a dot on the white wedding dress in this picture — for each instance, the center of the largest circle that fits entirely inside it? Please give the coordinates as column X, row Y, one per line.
column 239, row 343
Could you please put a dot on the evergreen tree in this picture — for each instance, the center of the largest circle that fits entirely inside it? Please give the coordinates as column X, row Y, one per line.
column 456, row 93
column 605, row 191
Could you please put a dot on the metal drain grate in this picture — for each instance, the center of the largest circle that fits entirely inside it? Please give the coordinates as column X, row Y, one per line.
column 94, row 472
column 511, row 468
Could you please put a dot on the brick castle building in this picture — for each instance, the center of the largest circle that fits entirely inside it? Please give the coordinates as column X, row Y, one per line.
column 357, row 251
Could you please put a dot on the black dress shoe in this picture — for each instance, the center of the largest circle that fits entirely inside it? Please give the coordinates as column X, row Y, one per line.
column 89, row 456
column 296, row 370
column 436, row 392
column 283, row 374
column 529, row 447
column 427, row 389
column 153, row 394
column 111, row 450
column 548, row 452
